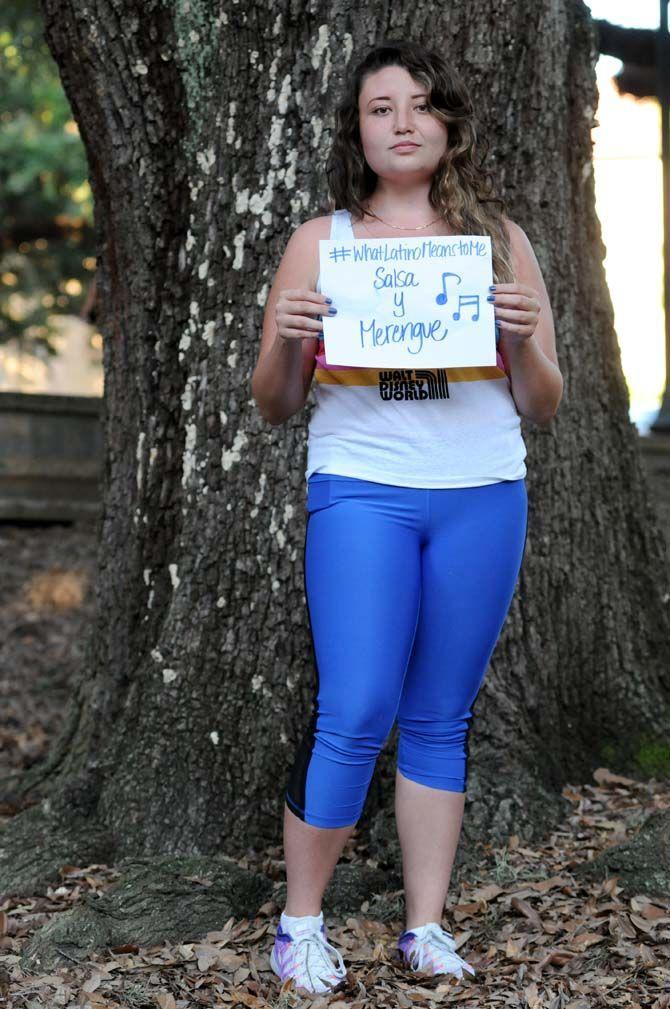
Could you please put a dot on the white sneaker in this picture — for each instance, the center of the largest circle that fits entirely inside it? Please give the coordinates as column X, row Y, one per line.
column 305, row 955
column 430, row 948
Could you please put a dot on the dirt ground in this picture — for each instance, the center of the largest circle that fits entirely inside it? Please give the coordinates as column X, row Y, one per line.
column 46, row 605
column 536, row 936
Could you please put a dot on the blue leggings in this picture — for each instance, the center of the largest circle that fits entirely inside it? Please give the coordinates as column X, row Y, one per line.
column 407, row 592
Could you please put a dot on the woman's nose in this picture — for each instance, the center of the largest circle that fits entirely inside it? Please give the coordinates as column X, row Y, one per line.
column 402, row 121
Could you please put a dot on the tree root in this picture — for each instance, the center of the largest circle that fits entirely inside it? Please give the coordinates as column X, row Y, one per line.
column 35, row 845
column 156, row 899
column 642, row 864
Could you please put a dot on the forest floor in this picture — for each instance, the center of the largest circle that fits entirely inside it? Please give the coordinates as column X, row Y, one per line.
column 537, row 935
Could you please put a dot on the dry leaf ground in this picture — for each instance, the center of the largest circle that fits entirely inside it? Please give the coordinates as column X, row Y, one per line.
column 536, row 936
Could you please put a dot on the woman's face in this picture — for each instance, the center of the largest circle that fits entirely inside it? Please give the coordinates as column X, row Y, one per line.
column 392, row 108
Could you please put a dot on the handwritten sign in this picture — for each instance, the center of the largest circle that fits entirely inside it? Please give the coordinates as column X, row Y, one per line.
column 409, row 302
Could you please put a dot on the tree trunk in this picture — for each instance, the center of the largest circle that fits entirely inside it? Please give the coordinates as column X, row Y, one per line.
column 206, row 129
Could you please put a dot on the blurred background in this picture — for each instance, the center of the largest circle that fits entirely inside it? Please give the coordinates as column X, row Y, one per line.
column 48, row 338
column 47, row 257
column 629, row 201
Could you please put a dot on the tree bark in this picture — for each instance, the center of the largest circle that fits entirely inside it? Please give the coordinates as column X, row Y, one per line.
column 206, row 127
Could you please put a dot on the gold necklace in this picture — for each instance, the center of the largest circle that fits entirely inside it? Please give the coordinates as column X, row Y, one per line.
column 422, row 227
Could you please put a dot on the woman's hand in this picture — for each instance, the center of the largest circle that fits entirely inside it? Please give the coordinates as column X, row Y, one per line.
column 517, row 310
column 294, row 313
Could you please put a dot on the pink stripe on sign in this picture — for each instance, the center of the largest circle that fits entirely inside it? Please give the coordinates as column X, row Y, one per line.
column 320, row 358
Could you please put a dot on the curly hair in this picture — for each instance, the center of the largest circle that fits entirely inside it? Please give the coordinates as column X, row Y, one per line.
column 461, row 189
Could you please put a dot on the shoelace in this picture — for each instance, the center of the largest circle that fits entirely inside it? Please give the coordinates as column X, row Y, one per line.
column 313, row 949
column 443, row 941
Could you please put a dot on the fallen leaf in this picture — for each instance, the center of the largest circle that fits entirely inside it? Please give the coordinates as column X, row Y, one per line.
column 462, row 938
column 532, row 997
column 605, row 777
column 464, row 910
column 585, row 939
column 487, row 893
column 556, row 957
column 515, row 946
column 649, row 910
column 523, row 907
column 573, row 795
column 549, row 884
column 642, row 924
column 239, row 996
column 620, row 925
column 92, row 983
column 164, row 1000
column 611, row 887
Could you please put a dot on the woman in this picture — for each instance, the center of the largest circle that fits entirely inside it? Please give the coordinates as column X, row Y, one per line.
column 416, row 504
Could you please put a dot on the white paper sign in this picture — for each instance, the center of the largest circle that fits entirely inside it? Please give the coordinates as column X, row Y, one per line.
column 409, row 302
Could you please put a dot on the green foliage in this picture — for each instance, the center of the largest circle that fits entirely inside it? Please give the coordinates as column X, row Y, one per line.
column 46, row 259
column 43, row 171
column 653, row 754
column 647, row 754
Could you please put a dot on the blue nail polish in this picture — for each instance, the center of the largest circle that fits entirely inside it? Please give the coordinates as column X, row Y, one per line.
column 492, row 287
column 491, row 297
column 332, row 311
column 329, row 300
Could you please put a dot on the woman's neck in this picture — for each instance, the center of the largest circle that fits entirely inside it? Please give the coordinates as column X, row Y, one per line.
column 394, row 220
column 404, row 206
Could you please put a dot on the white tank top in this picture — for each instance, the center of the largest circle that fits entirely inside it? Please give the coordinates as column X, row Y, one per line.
column 444, row 427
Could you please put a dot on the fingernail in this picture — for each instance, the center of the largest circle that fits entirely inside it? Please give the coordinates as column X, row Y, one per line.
column 332, row 311
column 491, row 297
column 492, row 287
column 329, row 300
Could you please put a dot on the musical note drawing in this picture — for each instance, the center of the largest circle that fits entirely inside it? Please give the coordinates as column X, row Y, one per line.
column 441, row 299
column 467, row 299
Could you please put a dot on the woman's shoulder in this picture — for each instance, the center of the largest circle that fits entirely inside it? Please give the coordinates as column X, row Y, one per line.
column 307, row 236
column 515, row 232
column 315, row 227
column 303, row 246
column 303, row 241
column 520, row 245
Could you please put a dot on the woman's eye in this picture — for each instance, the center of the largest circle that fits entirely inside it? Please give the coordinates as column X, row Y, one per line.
column 383, row 108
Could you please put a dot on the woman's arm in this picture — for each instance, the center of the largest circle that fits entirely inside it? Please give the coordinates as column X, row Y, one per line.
column 527, row 338
column 283, row 372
